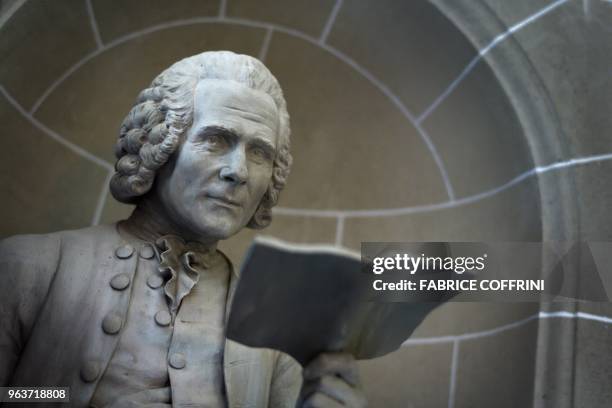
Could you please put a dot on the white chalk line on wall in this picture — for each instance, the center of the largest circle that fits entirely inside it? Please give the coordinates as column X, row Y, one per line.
column 452, row 385
column 470, row 66
column 457, row 339
column 54, row 135
column 296, row 211
column 267, row 26
column 451, row 203
column 500, row 329
column 9, row 11
column 102, row 199
column 222, row 8
column 94, row 24
column 323, row 213
column 341, row 215
column 330, row 22
column 263, row 52
column 390, row 212
column 339, row 231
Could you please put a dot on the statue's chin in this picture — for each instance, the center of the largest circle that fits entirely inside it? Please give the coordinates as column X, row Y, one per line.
column 216, row 229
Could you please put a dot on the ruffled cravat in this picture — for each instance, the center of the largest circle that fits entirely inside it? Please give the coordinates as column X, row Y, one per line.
column 180, row 264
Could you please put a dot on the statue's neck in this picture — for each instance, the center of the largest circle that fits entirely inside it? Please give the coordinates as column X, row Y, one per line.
column 149, row 222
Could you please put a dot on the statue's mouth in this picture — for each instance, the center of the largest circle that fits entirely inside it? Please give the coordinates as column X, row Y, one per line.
column 224, row 200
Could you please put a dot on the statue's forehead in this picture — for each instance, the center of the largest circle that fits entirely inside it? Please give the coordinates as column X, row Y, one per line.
column 227, row 100
column 227, row 92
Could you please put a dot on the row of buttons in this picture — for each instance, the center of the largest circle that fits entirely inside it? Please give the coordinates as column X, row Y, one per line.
column 91, row 369
column 122, row 281
column 126, row 251
column 162, row 318
column 113, row 322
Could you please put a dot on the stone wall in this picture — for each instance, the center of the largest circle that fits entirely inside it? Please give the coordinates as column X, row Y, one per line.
column 412, row 121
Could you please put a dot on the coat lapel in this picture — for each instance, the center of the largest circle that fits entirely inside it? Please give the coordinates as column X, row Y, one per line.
column 248, row 371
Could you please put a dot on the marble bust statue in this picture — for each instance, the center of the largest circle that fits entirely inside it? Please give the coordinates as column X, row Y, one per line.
column 133, row 314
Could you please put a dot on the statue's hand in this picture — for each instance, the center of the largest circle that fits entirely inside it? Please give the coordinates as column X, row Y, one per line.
column 332, row 380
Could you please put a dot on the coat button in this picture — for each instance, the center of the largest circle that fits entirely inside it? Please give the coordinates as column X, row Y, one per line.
column 124, row 251
column 120, row 281
column 155, row 281
column 177, row 360
column 146, row 252
column 90, row 371
column 163, row 318
column 112, row 323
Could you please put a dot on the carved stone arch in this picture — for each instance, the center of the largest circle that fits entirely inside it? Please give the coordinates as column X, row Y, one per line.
column 554, row 367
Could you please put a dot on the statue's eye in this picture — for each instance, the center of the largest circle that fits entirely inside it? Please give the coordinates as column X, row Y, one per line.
column 215, row 141
column 259, row 152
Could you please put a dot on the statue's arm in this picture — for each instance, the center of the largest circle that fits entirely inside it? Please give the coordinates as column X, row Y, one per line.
column 27, row 266
column 286, row 382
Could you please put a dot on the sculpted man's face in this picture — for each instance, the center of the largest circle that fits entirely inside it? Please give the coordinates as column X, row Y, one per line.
column 223, row 166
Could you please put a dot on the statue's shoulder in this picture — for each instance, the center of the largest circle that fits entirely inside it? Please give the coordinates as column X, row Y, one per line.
column 30, row 248
column 46, row 249
column 90, row 236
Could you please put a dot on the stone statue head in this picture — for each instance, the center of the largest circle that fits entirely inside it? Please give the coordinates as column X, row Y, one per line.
column 207, row 103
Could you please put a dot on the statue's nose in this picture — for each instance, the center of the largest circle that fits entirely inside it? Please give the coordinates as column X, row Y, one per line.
column 235, row 171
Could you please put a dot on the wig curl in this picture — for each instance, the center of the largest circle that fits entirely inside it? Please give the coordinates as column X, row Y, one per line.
column 152, row 131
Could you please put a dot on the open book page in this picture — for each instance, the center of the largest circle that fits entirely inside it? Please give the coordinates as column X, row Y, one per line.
column 304, row 300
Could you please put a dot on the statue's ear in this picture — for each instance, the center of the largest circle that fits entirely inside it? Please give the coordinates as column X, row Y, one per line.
column 262, row 216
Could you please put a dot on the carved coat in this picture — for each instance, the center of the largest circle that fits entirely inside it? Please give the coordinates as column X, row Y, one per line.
column 54, row 295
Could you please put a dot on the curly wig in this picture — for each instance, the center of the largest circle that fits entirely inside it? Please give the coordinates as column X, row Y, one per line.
column 151, row 132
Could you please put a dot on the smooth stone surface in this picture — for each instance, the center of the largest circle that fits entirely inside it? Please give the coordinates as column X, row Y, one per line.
column 46, row 187
column 457, row 318
column 497, row 370
column 389, row 165
column 594, row 196
column 120, row 17
column 50, row 34
column 511, row 215
column 308, row 16
column 112, row 323
column 478, row 135
column 114, row 210
column 408, row 45
column 576, row 76
column 163, row 318
column 593, row 364
column 120, row 281
column 177, row 361
column 413, row 376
